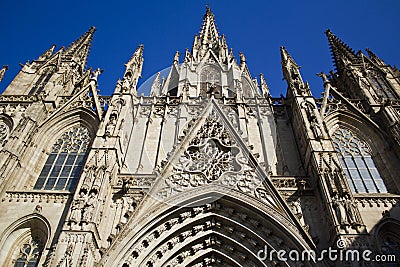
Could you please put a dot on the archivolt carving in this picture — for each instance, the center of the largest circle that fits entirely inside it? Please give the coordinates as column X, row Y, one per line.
column 190, row 233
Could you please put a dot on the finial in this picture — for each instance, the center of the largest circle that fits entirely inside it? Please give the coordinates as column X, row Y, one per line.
column 176, row 57
column 328, row 32
column 3, row 71
column 208, row 10
column 324, row 77
column 242, row 58
column 96, row 74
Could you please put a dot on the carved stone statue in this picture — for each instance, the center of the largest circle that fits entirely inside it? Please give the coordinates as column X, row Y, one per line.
column 77, row 207
column 111, row 125
column 298, row 212
column 351, row 210
column 89, row 208
column 340, row 210
column 316, row 128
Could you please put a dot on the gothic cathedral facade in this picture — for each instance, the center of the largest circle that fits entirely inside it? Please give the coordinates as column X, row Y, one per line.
column 209, row 169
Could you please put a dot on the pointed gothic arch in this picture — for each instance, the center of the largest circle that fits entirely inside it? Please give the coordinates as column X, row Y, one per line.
column 207, row 222
column 387, row 237
column 247, row 87
column 372, row 150
column 52, row 131
column 65, row 161
column 24, row 241
column 210, row 80
column 6, row 127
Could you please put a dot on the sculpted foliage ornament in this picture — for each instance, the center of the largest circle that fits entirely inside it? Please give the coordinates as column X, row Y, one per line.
column 213, row 156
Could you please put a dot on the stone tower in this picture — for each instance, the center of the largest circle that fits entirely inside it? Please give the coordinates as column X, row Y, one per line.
column 207, row 170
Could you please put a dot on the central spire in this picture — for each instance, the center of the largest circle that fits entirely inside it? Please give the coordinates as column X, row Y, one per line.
column 342, row 53
column 209, row 34
column 209, row 39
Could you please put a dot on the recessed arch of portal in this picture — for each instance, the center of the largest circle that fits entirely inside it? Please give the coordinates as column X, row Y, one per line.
column 181, row 234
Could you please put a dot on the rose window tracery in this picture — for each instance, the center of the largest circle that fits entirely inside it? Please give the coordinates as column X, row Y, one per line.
column 213, row 156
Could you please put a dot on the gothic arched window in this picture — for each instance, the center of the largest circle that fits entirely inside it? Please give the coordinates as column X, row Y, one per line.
column 246, row 87
column 210, row 79
column 29, row 253
column 63, row 166
column 356, row 160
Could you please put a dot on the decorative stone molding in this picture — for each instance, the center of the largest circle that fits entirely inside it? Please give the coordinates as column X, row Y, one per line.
column 371, row 201
column 19, row 98
column 37, row 196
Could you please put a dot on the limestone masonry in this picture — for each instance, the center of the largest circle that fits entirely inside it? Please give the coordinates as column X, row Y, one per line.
column 207, row 170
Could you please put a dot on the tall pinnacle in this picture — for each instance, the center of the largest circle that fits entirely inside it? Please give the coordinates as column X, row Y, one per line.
column 209, row 33
column 136, row 60
column 291, row 71
column 209, row 39
column 3, row 72
column 133, row 71
column 78, row 51
column 341, row 52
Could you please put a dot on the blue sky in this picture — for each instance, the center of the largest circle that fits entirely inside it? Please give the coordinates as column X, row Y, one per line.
column 256, row 28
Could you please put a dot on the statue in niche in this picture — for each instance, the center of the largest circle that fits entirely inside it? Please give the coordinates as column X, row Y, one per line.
column 338, row 204
column 316, row 128
column 111, row 125
column 89, row 207
column 77, row 207
column 126, row 83
column 299, row 213
column 351, row 210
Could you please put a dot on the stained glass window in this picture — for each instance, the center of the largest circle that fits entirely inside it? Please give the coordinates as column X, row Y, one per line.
column 29, row 253
column 356, row 160
column 63, row 166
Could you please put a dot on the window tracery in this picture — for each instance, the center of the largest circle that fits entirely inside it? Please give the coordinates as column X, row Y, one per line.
column 29, row 253
column 210, row 79
column 63, row 166
column 357, row 162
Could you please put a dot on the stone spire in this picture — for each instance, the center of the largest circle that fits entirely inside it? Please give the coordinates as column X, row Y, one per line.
column 209, row 39
column 133, row 71
column 3, row 72
column 291, row 71
column 342, row 53
column 264, row 86
column 78, row 51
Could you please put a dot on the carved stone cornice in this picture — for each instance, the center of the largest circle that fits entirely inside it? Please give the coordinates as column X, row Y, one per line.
column 19, row 98
column 291, row 182
column 37, row 196
column 377, row 200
